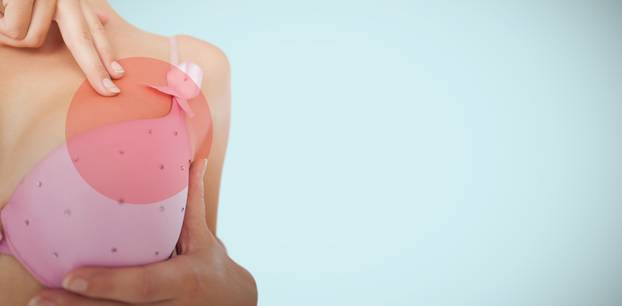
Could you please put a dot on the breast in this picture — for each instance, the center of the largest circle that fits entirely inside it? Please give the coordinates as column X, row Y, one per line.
column 114, row 196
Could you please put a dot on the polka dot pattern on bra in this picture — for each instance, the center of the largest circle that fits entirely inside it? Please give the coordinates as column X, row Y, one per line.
column 115, row 193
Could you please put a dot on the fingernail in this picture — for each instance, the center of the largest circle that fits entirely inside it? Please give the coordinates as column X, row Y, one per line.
column 117, row 67
column 37, row 301
column 75, row 285
column 204, row 166
column 110, row 86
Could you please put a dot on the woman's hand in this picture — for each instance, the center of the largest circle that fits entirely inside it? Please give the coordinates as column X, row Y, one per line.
column 201, row 274
column 25, row 24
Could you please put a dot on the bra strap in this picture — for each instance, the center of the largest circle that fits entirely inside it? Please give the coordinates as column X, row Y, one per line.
column 174, row 51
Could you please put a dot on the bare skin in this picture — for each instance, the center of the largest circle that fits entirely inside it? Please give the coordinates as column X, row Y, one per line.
column 25, row 24
column 36, row 89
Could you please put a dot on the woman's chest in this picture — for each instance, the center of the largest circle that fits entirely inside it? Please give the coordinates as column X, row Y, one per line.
column 31, row 125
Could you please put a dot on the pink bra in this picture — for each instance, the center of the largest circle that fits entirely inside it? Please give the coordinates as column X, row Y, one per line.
column 112, row 196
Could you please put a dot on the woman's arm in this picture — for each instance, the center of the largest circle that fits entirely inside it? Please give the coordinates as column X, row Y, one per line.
column 217, row 89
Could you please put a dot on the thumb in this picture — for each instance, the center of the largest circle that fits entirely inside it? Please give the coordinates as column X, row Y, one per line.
column 195, row 234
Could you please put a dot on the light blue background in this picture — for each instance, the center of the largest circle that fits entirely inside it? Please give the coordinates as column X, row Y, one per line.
column 419, row 152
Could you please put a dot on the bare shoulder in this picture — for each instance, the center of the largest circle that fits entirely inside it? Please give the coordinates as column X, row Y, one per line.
column 210, row 57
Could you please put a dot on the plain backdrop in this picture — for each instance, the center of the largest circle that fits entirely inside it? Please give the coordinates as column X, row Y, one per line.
column 429, row 153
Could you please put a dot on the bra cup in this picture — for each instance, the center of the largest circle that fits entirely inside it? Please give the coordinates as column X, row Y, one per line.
column 139, row 162
column 58, row 219
column 116, row 194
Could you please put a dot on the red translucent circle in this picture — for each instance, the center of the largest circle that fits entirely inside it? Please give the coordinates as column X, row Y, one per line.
column 136, row 147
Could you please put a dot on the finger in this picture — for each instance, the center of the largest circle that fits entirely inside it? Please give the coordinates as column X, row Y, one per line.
column 42, row 14
column 16, row 19
column 144, row 284
column 101, row 42
column 195, row 234
column 64, row 298
column 195, row 210
column 78, row 39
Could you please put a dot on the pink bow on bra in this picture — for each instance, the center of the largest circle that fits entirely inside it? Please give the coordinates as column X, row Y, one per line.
column 183, row 83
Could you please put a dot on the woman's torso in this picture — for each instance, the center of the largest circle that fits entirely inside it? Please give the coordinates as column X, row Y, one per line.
column 36, row 90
